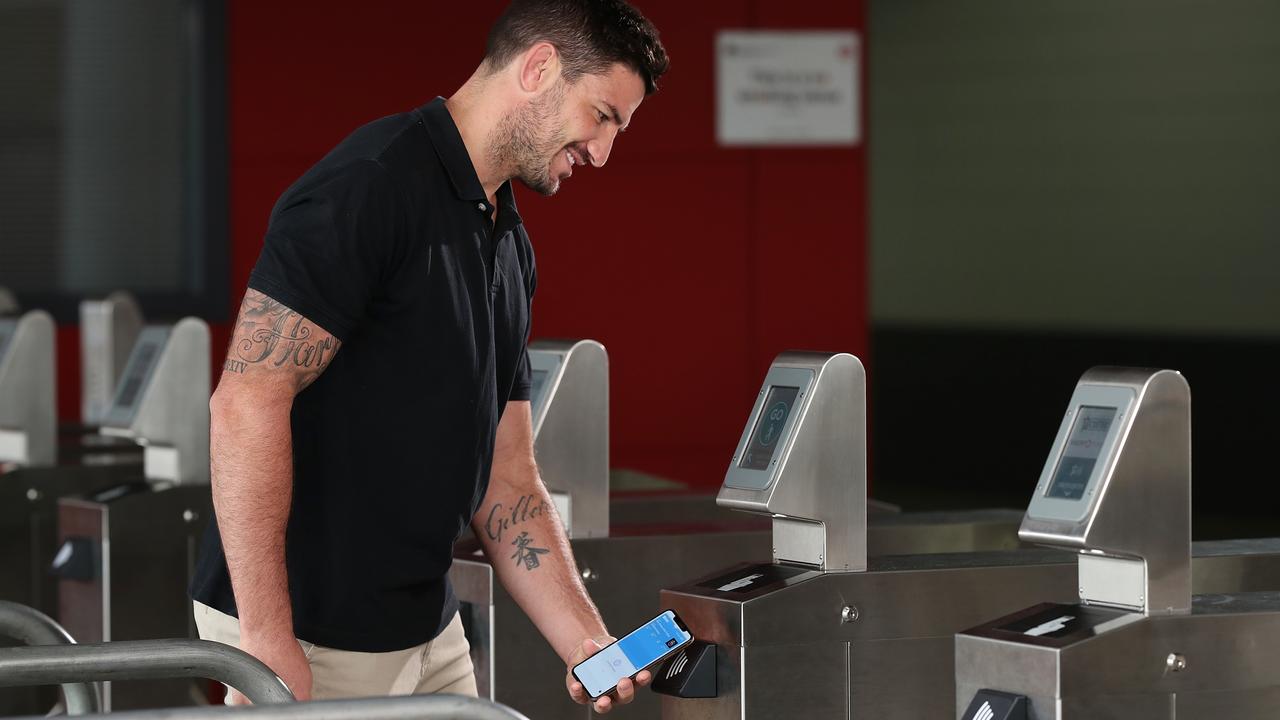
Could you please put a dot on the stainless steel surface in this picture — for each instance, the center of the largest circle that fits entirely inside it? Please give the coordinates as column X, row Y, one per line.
column 172, row 416
column 414, row 707
column 143, row 660
column 571, row 433
column 626, row 572
column 28, row 393
column 1142, row 509
column 901, row 645
column 143, row 543
column 821, row 474
column 1230, row 644
column 33, row 627
column 108, row 329
column 892, row 662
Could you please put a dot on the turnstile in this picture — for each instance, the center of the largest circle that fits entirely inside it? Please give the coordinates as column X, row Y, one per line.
column 1137, row 645
column 824, row 630
column 127, row 552
column 625, row 570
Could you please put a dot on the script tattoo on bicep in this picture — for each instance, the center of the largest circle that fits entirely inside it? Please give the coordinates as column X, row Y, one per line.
column 273, row 335
column 524, row 510
column 526, row 553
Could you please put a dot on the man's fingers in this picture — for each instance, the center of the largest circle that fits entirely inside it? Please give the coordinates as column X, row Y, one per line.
column 604, row 704
column 644, row 678
column 579, row 694
column 626, row 691
column 589, row 648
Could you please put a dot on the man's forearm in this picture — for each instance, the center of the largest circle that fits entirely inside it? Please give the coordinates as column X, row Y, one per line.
column 252, row 475
column 523, row 536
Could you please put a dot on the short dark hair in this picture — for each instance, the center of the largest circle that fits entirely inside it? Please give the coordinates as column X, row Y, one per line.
column 590, row 35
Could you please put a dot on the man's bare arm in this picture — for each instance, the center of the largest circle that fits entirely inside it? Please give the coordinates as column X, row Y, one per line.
column 274, row 354
column 522, row 535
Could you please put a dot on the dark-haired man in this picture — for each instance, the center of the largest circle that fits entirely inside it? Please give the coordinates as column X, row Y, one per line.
column 375, row 395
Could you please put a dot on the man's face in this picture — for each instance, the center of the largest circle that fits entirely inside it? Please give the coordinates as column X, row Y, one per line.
column 570, row 125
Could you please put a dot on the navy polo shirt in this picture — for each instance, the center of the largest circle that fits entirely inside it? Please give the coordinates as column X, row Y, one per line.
column 389, row 243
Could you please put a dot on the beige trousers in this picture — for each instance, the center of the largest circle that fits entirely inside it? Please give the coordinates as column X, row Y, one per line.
column 440, row 666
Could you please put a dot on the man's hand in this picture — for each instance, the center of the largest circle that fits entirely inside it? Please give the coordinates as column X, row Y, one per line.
column 284, row 656
column 626, row 691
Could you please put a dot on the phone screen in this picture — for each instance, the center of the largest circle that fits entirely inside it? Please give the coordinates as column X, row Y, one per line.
column 639, row 649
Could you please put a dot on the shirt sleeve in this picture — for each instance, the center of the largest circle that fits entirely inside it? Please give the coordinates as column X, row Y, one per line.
column 522, row 388
column 329, row 244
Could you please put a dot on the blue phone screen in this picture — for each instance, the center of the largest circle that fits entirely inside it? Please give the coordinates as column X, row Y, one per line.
column 639, row 649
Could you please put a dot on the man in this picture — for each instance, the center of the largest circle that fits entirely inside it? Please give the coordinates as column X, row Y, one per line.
column 375, row 396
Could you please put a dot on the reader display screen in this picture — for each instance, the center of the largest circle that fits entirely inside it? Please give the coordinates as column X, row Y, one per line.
column 778, row 404
column 1080, row 455
column 539, row 380
column 139, row 366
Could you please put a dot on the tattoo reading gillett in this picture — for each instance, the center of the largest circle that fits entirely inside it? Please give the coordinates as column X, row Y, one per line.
column 498, row 521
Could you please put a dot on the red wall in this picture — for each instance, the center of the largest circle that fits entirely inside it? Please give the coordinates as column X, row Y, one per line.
column 693, row 264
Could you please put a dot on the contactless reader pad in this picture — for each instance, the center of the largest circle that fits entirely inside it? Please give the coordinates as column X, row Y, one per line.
column 995, row 705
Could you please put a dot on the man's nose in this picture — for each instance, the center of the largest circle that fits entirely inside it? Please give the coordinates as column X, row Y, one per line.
column 599, row 149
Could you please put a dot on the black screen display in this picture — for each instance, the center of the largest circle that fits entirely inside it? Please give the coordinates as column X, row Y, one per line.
column 766, row 436
column 144, row 355
column 1080, row 455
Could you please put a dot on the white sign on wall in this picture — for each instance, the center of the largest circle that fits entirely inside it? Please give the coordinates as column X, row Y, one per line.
column 787, row 87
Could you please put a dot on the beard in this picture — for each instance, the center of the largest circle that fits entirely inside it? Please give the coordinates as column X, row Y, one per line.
column 527, row 141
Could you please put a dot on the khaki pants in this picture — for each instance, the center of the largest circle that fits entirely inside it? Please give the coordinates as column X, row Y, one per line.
column 440, row 666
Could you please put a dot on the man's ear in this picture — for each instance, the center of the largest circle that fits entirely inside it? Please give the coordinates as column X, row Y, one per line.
column 539, row 67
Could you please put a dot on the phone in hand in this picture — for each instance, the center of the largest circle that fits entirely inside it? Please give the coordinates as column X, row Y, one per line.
column 647, row 645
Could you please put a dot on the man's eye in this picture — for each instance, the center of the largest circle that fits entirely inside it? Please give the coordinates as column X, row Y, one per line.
column 601, row 116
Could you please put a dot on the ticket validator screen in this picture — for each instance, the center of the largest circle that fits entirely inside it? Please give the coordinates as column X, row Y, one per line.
column 777, row 407
column 1080, row 454
column 639, row 649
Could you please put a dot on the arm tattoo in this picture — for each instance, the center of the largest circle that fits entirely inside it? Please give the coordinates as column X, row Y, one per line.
column 499, row 522
column 526, row 554
column 273, row 335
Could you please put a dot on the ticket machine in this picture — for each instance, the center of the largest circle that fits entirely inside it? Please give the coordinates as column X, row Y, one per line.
column 625, row 569
column 1135, row 643
column 826, row 628
column 28, row 394
column 126, row 552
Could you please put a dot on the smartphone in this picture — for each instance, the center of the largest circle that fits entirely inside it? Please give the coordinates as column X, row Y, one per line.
column 647, row 645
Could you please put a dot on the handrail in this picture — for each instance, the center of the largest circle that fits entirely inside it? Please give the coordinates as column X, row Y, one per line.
column 406, row 707
column 143, row 660
column 35, row 628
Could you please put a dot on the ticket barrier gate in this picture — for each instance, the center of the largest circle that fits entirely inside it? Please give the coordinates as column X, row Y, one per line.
column 85, row 460
column 125, row 551
column 625, row 569
column 1136, row 644
column 824, row 627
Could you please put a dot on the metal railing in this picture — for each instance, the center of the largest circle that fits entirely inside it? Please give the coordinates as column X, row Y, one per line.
column 35, row 628
column 143, row 660
column 410, row 707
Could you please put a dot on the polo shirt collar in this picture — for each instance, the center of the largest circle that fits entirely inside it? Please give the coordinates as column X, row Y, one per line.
column 457, row 162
